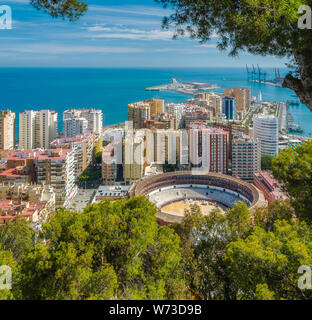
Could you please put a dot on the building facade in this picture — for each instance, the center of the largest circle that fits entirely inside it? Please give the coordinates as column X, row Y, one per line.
column 246, row 157
column 37, row 129
column 109, row 164
column 74, row 127
column 266, row 131
column 83, row 147
column 56, row 167
column 93, row 117
column 229, row 107
column 271, row 188
column 7, row 130
column 209, row 149
column 243, row 97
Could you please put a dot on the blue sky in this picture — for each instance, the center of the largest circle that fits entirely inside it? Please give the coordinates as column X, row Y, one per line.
column 113, row 33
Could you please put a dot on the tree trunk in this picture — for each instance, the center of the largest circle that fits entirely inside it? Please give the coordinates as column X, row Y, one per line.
column 302, row 85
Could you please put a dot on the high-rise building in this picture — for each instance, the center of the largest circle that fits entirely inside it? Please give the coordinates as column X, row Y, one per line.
column 109, row 164
column 27, row 130
column 7, row 130
column 56, row 167
column 37, row 129
column 156, row 106
column 141, row 111
column 138, row 113
column 93, row 117
column 208, row 149
column 83, row 147
column 229, row 107
column 213, row 99
column 45, row 128
column 266, row 130
column 167, row 146
column 246, row 157
column 178, row 112
column 242, row 95
column 134, row 156
column 75, row 126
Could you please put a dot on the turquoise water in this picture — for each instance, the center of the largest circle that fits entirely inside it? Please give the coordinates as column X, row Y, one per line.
column 113, row 89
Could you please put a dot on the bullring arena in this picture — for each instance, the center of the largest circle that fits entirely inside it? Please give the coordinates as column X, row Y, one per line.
column 174, row 192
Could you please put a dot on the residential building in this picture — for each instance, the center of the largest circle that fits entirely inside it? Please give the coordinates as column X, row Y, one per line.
column 246, row 157
column 109, row 164
column 31, row 212
column 156, row 106
column 73, row 127
column 271, row 188
column 53, row 167
column 209, row 148
column 17, row 175
column 199, row 115
column 37, row 129
column 93, row 117
column 83, row 147
column 141, row 111
column 178, row 112
column 27, row 192
column 23, row 201
column 134, row 156
column 138, row 113
column 7, row 130
column 243, row 97
column 167, row 146
column 266, row 130
column 56, row 167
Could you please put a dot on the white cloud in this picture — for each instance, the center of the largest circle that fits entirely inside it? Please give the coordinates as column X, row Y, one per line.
column 48, row 48
column 135, row 10
column 206, row 46
column 128, row 33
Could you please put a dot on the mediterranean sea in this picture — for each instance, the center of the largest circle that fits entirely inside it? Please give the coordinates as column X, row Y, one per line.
column 113, row 89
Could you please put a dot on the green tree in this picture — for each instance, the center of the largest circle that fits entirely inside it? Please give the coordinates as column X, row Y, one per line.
column 294, row 169
column 98, row 157
column 265, row 264
column 7, row 259
column 266, row 163
column 70, row 9
column 205, row 240
column 18, row 237
column 111, row 249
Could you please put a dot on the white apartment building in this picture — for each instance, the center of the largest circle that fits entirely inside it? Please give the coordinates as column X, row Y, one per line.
column 246, row 157
column 93, row 117
column 7, row 130
column 215, row 101
column 178, row 111
column 75, row 126
column 56, row 168
column 208, row 149
column 266, row 130
column 37, row 129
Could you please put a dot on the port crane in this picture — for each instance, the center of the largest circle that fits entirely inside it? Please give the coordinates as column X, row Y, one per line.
column 256, row 74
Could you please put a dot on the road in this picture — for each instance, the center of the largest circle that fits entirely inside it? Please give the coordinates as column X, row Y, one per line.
column 81, row 199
